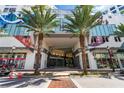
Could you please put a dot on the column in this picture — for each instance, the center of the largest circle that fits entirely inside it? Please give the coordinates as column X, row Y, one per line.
column 43, row 60
column 30, row 59
column 80, row 60
column 92, row 61
column 120, row 64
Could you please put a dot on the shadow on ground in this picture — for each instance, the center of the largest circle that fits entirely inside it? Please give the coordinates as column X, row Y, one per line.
column 21, row 83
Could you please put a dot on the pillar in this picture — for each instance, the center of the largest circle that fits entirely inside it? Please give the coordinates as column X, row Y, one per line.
column 119, row 61
column 92, row 61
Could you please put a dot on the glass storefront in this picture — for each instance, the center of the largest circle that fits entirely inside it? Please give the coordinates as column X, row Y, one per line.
column 122, row 62
column 17, row 59
column 60, row 58
column 121, row 57
column 104, row 61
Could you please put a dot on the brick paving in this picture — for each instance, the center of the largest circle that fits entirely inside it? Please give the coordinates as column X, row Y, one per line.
column 62, row 83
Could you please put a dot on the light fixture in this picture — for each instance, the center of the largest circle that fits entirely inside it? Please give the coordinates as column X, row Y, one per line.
column 13, row 47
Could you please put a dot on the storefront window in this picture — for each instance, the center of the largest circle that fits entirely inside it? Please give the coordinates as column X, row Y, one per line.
column 122, row 62
column 104, row 61
column 20, row 61
column 17, row 59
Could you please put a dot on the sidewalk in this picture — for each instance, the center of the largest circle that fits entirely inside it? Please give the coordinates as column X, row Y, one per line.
column 99, row 82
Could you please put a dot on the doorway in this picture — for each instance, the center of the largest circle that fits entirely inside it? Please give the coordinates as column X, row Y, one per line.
column 60, row 58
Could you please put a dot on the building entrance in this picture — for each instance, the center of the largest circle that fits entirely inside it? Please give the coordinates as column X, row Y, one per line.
column 60, row 58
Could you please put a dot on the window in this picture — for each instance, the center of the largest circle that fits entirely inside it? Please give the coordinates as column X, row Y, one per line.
column 118, row 5
column 112, row 8
column 105, row 12
column 117, row 39
column 121, row 8
column 6, row 56
column 114, row 11
column 5, row 9
column 106, row 38
column 12, row 9
column 103, row 39
column 94, row 39
column 1, row 56
column 109, row 16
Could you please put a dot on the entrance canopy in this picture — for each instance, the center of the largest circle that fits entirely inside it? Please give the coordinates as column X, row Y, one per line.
column 61, row 40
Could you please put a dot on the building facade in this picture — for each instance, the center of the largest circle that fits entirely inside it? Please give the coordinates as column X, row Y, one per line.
column 60, row 49
column 114, row 9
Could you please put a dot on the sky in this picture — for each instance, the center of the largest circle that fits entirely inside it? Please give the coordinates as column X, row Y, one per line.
column 70, row 7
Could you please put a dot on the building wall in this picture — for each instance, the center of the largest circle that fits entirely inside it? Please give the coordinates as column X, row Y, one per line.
column 43, row 61
column 115, row 18
column 111, row 43
column 76, row 46
column 92, row 61
column 30, row 59
column 9, row 41
column 102, row 48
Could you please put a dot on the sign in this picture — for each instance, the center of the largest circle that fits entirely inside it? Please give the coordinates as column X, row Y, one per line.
column 99, row 40
column 26, row 40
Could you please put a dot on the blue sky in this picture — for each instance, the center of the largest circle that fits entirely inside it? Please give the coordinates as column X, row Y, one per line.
column 70, row 7
column 65, row 7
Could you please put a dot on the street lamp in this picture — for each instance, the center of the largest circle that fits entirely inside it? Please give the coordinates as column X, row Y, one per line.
column 111, row 55
column 13, row 48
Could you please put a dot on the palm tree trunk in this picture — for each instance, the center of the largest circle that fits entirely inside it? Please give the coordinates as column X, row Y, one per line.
column 82, row 44
column 38, row 54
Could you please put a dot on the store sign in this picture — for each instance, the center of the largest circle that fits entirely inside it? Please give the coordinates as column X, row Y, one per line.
column 99, row 40
column 26, row 40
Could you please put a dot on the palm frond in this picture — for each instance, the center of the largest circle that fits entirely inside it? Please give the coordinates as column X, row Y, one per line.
column 39, row 19
column 82, row 20
column 120, row 30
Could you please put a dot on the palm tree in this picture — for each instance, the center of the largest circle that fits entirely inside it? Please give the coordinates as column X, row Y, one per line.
column 40, row 20
column 120, row 30
column 80, row 24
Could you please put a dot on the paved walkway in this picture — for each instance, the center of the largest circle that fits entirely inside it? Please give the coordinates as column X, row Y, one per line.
column 95, row 82
column 62, row 83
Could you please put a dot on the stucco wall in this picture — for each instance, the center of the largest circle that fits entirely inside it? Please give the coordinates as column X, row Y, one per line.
column 76, row 46
column 30, row 59
column 115, row 18
column 111, row 43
